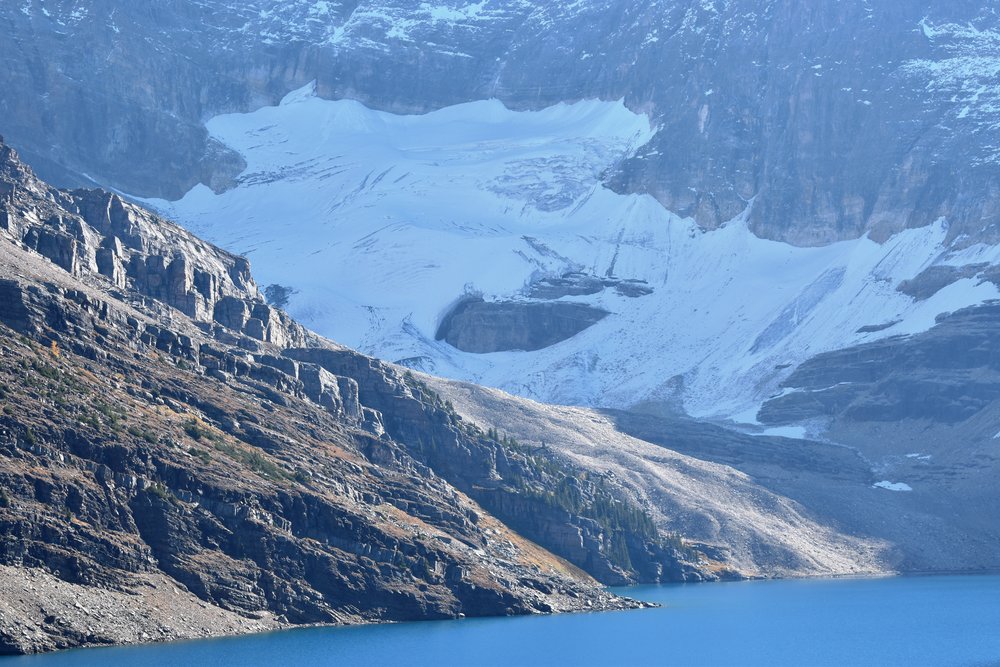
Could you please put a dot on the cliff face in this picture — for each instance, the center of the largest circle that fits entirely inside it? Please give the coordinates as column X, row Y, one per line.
column 947, row 375
column 164, row 429
column 482, row 327
column 923, row 410
column 834, row 118
column 92, row 232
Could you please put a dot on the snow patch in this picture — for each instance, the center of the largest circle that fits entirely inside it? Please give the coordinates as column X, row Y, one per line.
column 453, row 15
column 748, row 416
column 892, row 486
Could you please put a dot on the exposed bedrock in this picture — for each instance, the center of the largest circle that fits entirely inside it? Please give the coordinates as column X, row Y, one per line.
column 947, row 375
column 481, row 327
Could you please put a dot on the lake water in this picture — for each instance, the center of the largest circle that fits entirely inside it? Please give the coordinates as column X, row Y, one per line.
column 898, row 621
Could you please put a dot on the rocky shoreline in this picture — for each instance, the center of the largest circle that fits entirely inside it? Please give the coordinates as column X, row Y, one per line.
column 40, row 612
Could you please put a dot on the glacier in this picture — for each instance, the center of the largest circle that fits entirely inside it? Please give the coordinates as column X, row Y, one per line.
column 382, row 222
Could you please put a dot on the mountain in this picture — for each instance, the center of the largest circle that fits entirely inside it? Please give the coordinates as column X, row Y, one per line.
column 728, row 270
column 179, row 459
column 837, row 118
column 478, row 243
column 866, row 131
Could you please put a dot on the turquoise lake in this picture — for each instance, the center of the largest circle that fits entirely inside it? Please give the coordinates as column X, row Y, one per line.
column 895, row 621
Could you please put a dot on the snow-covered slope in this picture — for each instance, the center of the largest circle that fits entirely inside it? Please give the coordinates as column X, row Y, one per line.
column 382, row 222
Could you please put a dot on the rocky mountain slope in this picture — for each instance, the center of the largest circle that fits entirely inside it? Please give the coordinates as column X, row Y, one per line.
column 923, row 410
column 900, row 496
column 924, row 407
column 212, row 467
column 169, row 437
column 837, row 118
column 867, row 129
column 781, row 217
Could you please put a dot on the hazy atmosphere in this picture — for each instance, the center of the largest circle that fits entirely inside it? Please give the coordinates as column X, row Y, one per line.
column 320, row 313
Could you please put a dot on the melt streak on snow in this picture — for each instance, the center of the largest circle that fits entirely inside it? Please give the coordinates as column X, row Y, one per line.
column 381, row 222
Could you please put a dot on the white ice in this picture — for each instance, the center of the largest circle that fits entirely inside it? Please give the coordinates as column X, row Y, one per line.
column 892, row 486
column 382, row 221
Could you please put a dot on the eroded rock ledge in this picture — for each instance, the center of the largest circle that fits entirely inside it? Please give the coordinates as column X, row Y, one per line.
column 480, row 327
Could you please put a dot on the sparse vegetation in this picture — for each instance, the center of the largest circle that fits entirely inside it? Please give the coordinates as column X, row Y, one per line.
column 143, row 433
column 110, row 417
column 198, row 430
column 256, row 461
column 90, row 420
column 200, row 454
column 162, row 492
column 45, row 370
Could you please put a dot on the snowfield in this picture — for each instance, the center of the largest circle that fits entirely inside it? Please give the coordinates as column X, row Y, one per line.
column 382, row 222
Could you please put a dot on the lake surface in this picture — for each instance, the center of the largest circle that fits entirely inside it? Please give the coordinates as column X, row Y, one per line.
column 899, row 621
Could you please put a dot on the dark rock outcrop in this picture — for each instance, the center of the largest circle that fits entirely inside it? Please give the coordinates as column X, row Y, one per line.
column 947, row 374
column 933, row 279
column 582, row 284
column 479, row 326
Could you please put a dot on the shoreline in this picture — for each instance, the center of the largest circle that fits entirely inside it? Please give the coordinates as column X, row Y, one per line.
column 618, row 593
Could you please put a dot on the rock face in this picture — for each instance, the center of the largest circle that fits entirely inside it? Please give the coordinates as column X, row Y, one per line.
column 92, row 231
column 933, row 279
column 923, row 410
column 582, row 284
column 475, row 325
column 164, row 429
column 946, row 375
column 835, row 118
column 788, row 501
column 576, row 516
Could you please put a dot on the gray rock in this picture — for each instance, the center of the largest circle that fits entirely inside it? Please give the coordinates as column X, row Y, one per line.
column 349, row 394
column 933, row 279
column 321, row 387
column 479, row 326
column 232, row 313
column 13, row 310
column 287, row 366
column 947, row 374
